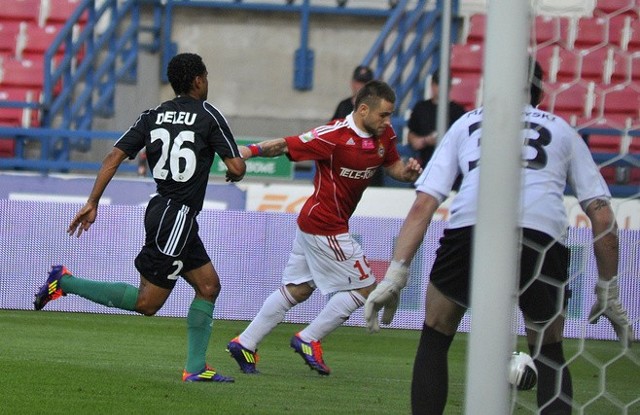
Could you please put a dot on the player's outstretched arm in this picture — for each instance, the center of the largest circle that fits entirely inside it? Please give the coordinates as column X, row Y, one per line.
column 405, row 172
column 87, row 214
column 606, row 249
column 387, row 294
column 268, row 148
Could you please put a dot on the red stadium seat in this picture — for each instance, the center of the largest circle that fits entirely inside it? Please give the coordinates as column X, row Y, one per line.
column 38, row 40
column 22, row 73
column 621, row 67
column 615, row 7
column 626, row 175
column 546, row 30
column 10, row 34
column 634, row 67
column 632, row 42
column 465, row 90
column 7, row 147
column 477, row 28
column 574, row 99
column 545, row 57
column 19, row 117
column 618, row 27
column 622, row 100
column 587, row 32
column 466, row 59
column 21, row 10
column 609, row 174
column 59, row 11
column 594, row 63
column 617, row 121
column 568, row 65
column 604, row 143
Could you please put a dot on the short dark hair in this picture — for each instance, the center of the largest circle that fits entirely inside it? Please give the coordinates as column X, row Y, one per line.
column 535, row 77
column 435, row 77
column 372, row 92
column 183, row 69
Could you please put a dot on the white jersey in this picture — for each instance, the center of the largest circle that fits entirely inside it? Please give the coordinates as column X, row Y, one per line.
column 554, row 155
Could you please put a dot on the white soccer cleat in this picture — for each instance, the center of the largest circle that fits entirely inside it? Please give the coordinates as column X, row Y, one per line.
column 522, row 371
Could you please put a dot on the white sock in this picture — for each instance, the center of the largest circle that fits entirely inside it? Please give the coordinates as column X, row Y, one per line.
column 270, row 315
column 336, row 312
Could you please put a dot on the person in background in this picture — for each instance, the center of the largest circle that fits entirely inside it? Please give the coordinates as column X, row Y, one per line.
column 346, row 152
column 361, row 75
column 181, row 138
column 554, row 156
column 422, row 124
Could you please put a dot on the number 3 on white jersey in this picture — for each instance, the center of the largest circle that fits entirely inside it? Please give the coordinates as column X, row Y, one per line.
column 174, row 154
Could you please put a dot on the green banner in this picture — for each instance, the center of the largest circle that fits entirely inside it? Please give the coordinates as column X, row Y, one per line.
column 277, row 167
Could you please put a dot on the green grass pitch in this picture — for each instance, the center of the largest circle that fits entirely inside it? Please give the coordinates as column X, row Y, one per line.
column 61, row 363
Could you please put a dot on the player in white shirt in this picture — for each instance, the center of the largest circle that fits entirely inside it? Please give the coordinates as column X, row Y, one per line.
column 554, row 155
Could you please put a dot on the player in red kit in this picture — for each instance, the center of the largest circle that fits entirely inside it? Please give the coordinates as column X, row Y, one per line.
column 347, row 153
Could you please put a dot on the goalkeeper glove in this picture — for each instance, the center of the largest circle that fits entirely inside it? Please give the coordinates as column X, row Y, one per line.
column 387, row 295
column 608, row 305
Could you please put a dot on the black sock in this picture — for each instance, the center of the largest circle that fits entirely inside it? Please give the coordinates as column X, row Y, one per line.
column 551, row 371
column 429, row 387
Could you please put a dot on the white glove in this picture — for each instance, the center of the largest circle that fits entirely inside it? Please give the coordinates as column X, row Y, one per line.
column 387, row 295
column 608, row 304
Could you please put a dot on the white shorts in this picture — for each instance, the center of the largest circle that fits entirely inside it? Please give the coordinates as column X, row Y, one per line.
column 331, row 263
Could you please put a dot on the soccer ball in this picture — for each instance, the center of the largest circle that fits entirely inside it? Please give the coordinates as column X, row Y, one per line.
column 522, row 371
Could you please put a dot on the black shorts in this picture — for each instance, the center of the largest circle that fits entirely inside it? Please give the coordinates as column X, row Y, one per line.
column 542, row 295
column 172, row 245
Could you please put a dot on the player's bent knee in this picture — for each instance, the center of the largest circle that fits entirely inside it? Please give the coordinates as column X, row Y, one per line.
column 208, row 291
column 300, row 292
column 146, row 310
column 366, row 290
column 147, row 307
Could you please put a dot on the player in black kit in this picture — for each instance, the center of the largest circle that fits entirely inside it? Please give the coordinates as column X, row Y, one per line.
column 181, row 138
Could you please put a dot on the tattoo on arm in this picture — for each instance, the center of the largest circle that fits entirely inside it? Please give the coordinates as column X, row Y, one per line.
column 273, row 148
column 600, row 204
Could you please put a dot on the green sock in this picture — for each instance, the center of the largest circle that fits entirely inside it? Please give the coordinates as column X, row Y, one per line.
column 111, row 294
column 199, row 326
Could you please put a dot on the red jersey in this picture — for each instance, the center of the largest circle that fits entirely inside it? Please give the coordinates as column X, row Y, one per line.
column 346, row 158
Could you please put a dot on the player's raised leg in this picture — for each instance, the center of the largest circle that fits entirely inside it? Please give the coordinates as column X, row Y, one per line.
column 297, row 286
column 338, row 266
column 61, row 282
column 307, row 343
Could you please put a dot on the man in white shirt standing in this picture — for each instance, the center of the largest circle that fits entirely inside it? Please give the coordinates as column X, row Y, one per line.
column 554, row 155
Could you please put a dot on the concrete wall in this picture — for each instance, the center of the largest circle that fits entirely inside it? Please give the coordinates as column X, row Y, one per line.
column 250, row 58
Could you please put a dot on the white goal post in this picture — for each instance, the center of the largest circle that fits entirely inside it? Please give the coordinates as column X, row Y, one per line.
column 496, row 241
